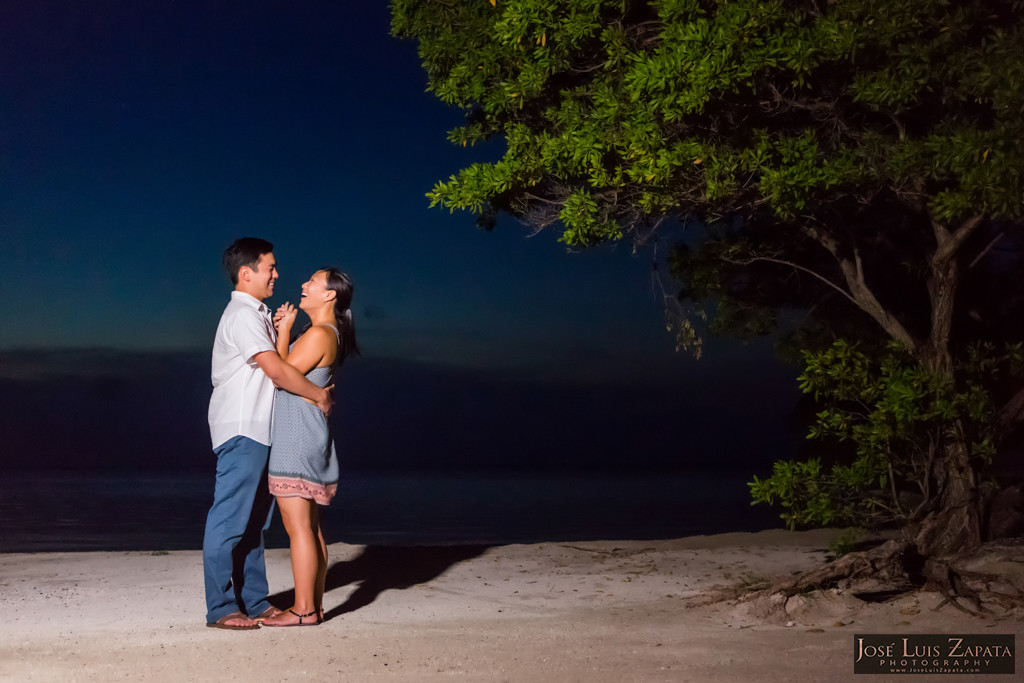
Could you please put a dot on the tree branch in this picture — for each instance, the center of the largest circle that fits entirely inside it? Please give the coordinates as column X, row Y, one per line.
column 753, row 259
column 860, row 293
column 988, row 248
column 947, row 243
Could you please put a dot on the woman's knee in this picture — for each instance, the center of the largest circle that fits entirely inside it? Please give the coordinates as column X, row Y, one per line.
column 295, row 514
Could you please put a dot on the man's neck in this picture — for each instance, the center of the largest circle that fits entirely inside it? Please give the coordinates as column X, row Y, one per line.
column 240, row 288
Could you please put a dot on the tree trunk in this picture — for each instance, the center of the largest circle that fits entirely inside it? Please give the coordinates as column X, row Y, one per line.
column 954, row 526
column 942, row 292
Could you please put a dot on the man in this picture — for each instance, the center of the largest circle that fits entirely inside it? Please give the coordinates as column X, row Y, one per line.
column 245, row 370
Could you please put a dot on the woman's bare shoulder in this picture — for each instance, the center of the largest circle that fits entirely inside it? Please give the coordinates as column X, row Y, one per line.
column 323, row 340
column 316, row 334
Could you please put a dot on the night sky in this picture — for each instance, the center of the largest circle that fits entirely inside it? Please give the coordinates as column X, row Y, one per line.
column 138, row 139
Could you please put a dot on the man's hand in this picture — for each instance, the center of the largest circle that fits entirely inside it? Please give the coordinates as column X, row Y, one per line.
column 287, row 377
column 328, row 400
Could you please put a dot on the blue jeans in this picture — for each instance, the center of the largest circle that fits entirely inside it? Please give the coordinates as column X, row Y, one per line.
column 234, row 570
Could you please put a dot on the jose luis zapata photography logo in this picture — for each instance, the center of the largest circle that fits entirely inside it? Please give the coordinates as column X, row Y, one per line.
column 934, row 653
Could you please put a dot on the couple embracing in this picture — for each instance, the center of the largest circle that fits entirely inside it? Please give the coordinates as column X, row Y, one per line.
column 269, row 424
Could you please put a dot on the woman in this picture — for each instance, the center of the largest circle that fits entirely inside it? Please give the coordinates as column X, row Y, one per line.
column 303, row 464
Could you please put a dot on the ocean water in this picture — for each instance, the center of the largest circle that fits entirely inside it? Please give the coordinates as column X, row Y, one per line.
column 58, row 511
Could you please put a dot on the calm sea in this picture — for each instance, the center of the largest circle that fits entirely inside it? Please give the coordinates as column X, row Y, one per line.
column 47, row 511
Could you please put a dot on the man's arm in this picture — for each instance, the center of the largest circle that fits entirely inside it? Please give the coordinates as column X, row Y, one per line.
column 290, row 379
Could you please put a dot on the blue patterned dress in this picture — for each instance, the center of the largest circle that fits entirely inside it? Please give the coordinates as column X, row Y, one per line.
column 303, row 462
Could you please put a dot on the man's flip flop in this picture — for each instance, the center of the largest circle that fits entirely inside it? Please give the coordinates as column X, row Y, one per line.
column 314, row 613
column 267, row 613
column 223, row 623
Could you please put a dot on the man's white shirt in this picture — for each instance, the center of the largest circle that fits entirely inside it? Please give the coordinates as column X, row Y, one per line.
column 242, row 403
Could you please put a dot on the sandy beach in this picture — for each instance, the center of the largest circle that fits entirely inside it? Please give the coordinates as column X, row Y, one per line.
column 592, row 611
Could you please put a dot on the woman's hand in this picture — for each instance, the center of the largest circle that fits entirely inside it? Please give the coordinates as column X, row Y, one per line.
column 285, row 315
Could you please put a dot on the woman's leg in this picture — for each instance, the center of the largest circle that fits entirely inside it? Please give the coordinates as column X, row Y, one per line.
column 321, row 574
column 299, row 515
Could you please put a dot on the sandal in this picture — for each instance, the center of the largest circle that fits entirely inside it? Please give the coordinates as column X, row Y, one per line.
column 267, row 613
column 223, row 622
column 314, row 613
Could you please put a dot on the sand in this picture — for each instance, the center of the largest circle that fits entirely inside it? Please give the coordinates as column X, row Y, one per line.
column 592, row 611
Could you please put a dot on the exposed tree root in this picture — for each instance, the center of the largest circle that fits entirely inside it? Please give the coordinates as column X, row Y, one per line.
column 988, row 582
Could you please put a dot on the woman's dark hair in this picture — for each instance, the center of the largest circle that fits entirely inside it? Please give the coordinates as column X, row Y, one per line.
column 341, row 284
column 245, row 251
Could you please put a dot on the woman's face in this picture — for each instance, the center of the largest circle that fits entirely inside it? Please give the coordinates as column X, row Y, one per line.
column 315, row 292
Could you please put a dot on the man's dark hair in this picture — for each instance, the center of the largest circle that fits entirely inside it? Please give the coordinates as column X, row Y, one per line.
column 245, row 251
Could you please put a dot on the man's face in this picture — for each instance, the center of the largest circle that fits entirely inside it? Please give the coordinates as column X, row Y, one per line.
column 262, row 279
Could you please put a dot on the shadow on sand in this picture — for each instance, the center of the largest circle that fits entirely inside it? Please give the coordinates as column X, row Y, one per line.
column 381, row 568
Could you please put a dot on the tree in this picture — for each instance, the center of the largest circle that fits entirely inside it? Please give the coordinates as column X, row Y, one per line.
column 860, row 163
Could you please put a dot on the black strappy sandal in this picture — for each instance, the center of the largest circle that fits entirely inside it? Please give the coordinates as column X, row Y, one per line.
column 314, row 613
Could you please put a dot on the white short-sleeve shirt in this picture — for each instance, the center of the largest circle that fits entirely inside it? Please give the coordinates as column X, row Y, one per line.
column 242, row 403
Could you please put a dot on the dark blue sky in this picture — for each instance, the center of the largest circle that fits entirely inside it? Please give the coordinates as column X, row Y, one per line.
column 137, row 139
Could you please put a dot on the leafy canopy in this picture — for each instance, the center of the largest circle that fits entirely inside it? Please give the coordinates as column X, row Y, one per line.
column 617, row 112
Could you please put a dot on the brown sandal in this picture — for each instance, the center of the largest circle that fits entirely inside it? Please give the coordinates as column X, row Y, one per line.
column 223, row 623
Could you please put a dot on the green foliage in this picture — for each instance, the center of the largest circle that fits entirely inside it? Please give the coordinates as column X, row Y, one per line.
column 891, row 419
column 845, row 542
column 807, row 498
column 868, row 121
column 622, row 110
